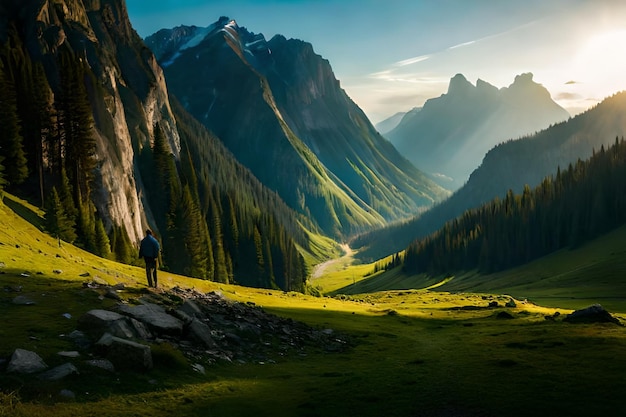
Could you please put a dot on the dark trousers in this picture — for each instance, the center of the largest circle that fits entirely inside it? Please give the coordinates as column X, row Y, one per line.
column 151, row 271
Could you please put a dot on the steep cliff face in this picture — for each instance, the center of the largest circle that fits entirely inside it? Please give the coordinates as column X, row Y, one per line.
column 128, row 97
column 278, row 107
column 107, row 133
column 451, row 134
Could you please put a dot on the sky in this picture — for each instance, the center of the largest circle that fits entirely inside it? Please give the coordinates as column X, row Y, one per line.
column 393, row 55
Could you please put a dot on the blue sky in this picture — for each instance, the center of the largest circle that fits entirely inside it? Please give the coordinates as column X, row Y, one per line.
column 392, row 55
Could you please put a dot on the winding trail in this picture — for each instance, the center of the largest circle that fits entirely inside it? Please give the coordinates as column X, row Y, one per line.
column 319, row 270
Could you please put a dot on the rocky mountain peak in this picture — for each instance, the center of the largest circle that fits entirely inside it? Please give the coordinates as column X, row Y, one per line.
column 459, row 85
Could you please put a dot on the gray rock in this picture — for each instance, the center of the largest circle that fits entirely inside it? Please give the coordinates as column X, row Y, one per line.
column 80, row 339
column 200, row 332
column 125, row 354
column 155, row 318
column 105, row 364
column 592, row 314
column 70, row 354
column 140, row 329
column 192, row 309
column 59, row 372
column 23, row 301
column 25, row 362
column 96, row 322
column 67, row 394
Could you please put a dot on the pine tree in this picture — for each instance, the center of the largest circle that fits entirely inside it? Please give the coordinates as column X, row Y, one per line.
column 103, row 246
column 55, row 220
column 11, row 141
column 75, row 124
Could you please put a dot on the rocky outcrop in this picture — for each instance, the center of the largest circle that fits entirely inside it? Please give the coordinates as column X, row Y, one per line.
column 592, row 314
column 129, row 98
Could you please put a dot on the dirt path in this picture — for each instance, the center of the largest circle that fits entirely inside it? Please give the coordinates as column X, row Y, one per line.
column 319, row 270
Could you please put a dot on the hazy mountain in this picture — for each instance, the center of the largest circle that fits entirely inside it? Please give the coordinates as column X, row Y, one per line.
column 452, row 133
column 510, row 166
column 278, row 107
column 391, row 122
column 134, row 159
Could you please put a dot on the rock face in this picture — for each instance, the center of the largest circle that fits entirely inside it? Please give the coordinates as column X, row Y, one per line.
column 130, row 98
column 451, row 134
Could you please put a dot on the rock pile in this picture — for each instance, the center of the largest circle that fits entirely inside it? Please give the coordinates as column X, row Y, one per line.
column 206, row 328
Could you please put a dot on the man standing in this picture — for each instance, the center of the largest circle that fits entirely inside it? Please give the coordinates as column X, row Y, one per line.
column 149, row 251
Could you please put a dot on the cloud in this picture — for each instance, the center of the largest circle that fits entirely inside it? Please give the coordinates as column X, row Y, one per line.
column 411, row 61
column 568, row 96
column 572, row 82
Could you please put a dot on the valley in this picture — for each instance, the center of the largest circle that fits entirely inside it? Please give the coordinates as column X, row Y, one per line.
column 411, row 351
column 467, row 257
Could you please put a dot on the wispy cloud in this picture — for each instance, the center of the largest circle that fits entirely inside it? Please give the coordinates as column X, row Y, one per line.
column 411, row 61
column 464, row 44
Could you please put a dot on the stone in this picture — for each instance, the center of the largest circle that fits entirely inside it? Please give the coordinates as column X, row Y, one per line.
column 192, row 309
column 59, row 372
column 80, row 339
column 26, row 362
column 69, row 354
column 23, row 301
column 200, row 332
column 67, row 394
column 96, row 322
column 592, row 314
column 126, row 354
column 105, row 364
column 112, row 294
column 155, row 318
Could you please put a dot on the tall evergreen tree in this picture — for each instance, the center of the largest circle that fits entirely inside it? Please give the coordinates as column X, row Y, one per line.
column 11, row 142
column 56, row 221
column 102, row 244
column 75, row 124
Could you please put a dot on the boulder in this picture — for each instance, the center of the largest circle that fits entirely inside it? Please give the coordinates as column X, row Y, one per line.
column 200, row 332
column 192, row 309
column 592, row 314
column 96, row 322
column 23, row 301
column 126, row 354
column 155, row 318
column 59, row 372
column 25, row 362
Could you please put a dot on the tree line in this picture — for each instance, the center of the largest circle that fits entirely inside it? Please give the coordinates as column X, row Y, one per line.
column 216, row 221
column 566, row 210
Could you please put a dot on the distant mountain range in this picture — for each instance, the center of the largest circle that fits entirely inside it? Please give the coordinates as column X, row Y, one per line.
column 510, row 166
column 451, row 134
column 280, row 110
column 390, row 123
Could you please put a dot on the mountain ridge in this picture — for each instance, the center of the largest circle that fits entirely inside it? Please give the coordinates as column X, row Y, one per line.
column 299, row 100
column 451, row 134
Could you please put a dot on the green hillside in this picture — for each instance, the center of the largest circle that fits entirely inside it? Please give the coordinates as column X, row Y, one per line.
column 569, row 278
column 411, row 352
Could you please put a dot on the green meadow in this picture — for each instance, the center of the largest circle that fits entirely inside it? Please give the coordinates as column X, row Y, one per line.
column 417, row 346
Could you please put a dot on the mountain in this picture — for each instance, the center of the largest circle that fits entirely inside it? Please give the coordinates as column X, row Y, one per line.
column 391, row 122
column 451, row 134
column 510, row 166
column 584, row 201
column 279, row 108
column 90, row 131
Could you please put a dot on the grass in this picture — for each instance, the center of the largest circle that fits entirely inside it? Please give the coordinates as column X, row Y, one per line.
column 412, row 352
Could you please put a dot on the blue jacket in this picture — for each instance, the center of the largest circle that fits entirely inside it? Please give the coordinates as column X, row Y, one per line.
column 149, row 247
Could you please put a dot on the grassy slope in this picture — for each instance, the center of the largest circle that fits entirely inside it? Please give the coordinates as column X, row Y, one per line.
column 414, row 352
column 593, row 273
